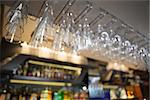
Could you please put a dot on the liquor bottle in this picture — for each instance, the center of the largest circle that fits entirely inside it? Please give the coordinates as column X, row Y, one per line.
column 73, row 76
column 29, row 71
column 69, row 75
column 3, row 95
column 61, row 73
column 20, row 70
column 14, row 96
column 42, row 71
column 68, row 95
column 38, row 73
column 52, row 73
column 83, row 96
column 55, row 73
column 65, row 74
column 34, row 96
column 77, row 96
column 46, row 72
column 25, row 69
column 46, row 95
column 49, row 72
column 59, row 95
column 8, row 95
column 20, row 97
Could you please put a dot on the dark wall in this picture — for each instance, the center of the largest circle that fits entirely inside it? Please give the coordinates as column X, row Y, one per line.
column 8, row 49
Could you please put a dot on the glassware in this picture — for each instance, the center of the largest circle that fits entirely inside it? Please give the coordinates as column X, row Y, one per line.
column 78, row 39
column 86, row 34
column 133, row 54
column 115, row 47
column 142, row 53
column 58, row 39
column 125, row 49
column 69, row 31
column 16, row 17
column 105, row 43
column 45, row 28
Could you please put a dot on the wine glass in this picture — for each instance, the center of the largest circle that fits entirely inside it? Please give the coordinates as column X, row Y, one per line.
column 58, row 39
column 45, row 28
column 16, row 17
column 133, row 55
column 78, row 45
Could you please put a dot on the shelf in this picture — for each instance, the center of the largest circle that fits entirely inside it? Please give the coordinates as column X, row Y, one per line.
column 39, row 81
column 78, row 69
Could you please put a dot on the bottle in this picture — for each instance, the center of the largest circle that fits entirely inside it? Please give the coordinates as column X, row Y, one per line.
column 14, row 96
column 59, row 95
column 73, row 76
column 49, row 73
column 83, row 96
column 3, row 95
column 23, row 96
column 76, row 96
column 34, row 72
column 20, row 97
column 25, row 69
column 38, row 73
column 46, row 95
column 42, row 71
column 69, row 75
column 8, row 95
column 30, row 70
column 55, row 73
column 20, row 70
column 46, row 72
column 65, row 74
column 60, row 75
column 34, row 96
column 52, row 73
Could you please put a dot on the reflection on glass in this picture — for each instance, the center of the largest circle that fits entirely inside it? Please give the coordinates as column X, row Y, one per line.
column 15, row 22
column 45, row 28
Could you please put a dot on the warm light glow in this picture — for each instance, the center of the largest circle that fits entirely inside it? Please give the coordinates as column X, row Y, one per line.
column 45, row 52
column 62, row 56
column 24, row 44
column 84, row 88
column 117, row 66
column 40, row 82
column 56, row 66
column 110, row 86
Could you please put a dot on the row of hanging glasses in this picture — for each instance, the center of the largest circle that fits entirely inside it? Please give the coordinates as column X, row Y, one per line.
column 76, row 36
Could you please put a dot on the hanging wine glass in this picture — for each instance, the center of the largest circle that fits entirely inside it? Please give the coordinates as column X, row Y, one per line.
column 125, row 50
column 104, row 42
column 142, row 53
column 58, row 39
column 69, row 31
column 133, row 54
column 78, row 45
column 115, row 47
column 44, row 30
column 16, row 19
column 97, row 38
column 86, row 35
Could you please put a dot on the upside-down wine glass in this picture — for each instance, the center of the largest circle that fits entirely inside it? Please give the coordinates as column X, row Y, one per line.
column 16, row 18
column 44, row 29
